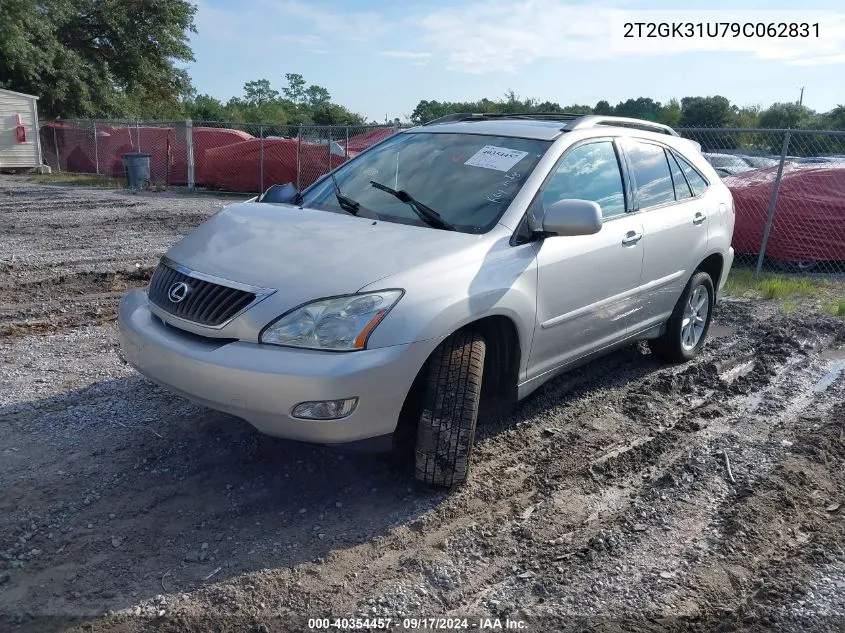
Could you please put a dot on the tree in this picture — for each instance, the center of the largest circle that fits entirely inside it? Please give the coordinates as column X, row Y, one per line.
column 295, row 90
column 786, row 115
column 334, row 114
column 205, row 108
column 747, row 116
column 639, row 108
column 705, row 112
column 259, row 93
column 603, row 107
column 428, row 111
column 671, row 113
column 576, row 108
column 317, row 95
column 95, row 58
column 835, row 119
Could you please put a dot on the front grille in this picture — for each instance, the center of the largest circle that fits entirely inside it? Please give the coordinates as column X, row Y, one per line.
column 205, row 303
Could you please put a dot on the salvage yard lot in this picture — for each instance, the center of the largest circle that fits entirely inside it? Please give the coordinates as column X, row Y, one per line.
column 625, row 489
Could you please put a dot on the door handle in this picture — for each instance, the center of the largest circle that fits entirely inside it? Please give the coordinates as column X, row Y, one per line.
column 632, row 237
column 699, row 218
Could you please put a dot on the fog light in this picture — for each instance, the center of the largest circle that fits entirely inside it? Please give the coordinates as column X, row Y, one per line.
column 325, row 409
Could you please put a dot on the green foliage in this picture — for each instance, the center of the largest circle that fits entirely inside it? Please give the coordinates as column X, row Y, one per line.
column 603, row 107
column 204, row 108
column 640, row 108
column 787, row 115
column 835, row 119
column 705, row 112
column 837, row 308
column 295, row 90
column 671, row 113
column 258, row 93
column 745, row 282
column 87, row 58
column 261, row 103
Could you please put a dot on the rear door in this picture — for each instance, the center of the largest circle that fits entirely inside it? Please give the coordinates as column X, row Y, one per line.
column 586, row 284
column 674, row 216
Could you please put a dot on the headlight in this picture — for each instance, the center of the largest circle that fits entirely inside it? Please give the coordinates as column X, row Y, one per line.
column 340, row 323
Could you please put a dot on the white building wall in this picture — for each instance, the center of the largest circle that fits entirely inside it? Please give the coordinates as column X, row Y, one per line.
column 13, row 153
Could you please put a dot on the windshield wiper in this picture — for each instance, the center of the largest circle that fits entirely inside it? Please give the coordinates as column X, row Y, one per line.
column 426, row 214
column 347, row 204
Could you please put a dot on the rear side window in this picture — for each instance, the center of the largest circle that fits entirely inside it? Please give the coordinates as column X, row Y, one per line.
column 682, row 188
column 696, row 181
column 651, row 174
column 589, row 172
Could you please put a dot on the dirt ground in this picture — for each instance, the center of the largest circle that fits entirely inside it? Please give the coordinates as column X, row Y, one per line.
column 624, row 496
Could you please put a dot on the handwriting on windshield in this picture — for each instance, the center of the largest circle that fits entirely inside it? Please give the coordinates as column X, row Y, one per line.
column 505, row 188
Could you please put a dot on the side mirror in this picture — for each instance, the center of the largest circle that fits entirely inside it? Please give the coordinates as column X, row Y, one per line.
column 572, row 217
column 281, row 193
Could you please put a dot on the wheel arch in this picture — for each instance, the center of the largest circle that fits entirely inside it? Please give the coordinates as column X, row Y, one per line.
column 713, row 265
column 502, row 364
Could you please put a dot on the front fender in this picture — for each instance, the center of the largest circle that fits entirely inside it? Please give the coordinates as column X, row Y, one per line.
column 441, row 301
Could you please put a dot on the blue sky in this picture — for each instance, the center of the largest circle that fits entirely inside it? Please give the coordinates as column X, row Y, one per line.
column 381, row 57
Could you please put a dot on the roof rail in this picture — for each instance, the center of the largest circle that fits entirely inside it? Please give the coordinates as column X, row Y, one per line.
column 619, row 121
column 573, row 120
column 482, row 116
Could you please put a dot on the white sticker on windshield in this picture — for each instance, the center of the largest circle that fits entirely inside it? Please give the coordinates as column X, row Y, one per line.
column 499, row 158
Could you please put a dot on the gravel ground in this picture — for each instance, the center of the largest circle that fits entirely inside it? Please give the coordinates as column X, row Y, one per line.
column 626, row 495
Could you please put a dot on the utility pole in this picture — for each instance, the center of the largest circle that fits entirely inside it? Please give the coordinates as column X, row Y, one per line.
column 801, row 98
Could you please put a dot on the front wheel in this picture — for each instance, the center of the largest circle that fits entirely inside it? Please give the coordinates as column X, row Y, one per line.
column 446, row 429
column 687, row 328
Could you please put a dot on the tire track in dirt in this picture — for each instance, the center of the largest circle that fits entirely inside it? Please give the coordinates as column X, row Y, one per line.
column 65, row 301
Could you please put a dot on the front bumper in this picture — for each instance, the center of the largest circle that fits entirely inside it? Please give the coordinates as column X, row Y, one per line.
column 263, row 383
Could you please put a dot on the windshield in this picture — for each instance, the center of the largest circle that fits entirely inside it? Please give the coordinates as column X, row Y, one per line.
column 468, row 180
column 727, row 161
column 760, row 161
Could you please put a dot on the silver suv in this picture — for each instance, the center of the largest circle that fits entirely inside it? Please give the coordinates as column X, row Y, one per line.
column 452, row 268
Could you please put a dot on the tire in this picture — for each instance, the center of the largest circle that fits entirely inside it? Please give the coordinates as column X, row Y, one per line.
column 795, row 267
column 678, row 344
column 446, row 428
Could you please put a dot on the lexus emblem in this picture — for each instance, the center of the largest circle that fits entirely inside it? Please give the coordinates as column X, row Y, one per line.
column 178, row 291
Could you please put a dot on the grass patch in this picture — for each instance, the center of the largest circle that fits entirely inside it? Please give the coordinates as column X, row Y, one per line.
column 791, row 292
column 783, row 287
column 199, row 191
column 743, row 282
column 80, row 180
column 837, row 308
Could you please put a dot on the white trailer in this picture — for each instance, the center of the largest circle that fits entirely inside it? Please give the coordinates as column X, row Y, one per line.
column 20, row 145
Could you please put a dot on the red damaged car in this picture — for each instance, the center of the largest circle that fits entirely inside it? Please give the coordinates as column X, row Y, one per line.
column 809, row 220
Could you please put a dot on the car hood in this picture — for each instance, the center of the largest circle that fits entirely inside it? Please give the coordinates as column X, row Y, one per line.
column 309, row 253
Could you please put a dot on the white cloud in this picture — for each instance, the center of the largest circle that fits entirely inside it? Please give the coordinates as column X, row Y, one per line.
column 405, row 54
column 818, row 61
column 502, row 36
column 353, row 26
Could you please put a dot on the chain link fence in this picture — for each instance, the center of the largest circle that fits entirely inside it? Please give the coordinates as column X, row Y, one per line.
column 224, row 156
column 789, row 194
column 788, row 185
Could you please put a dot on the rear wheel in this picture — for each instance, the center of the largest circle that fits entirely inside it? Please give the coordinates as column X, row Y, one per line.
column 446, row 428
column 687, row 328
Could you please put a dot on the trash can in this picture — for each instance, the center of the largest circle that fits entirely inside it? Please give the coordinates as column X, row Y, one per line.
column 137, row 169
